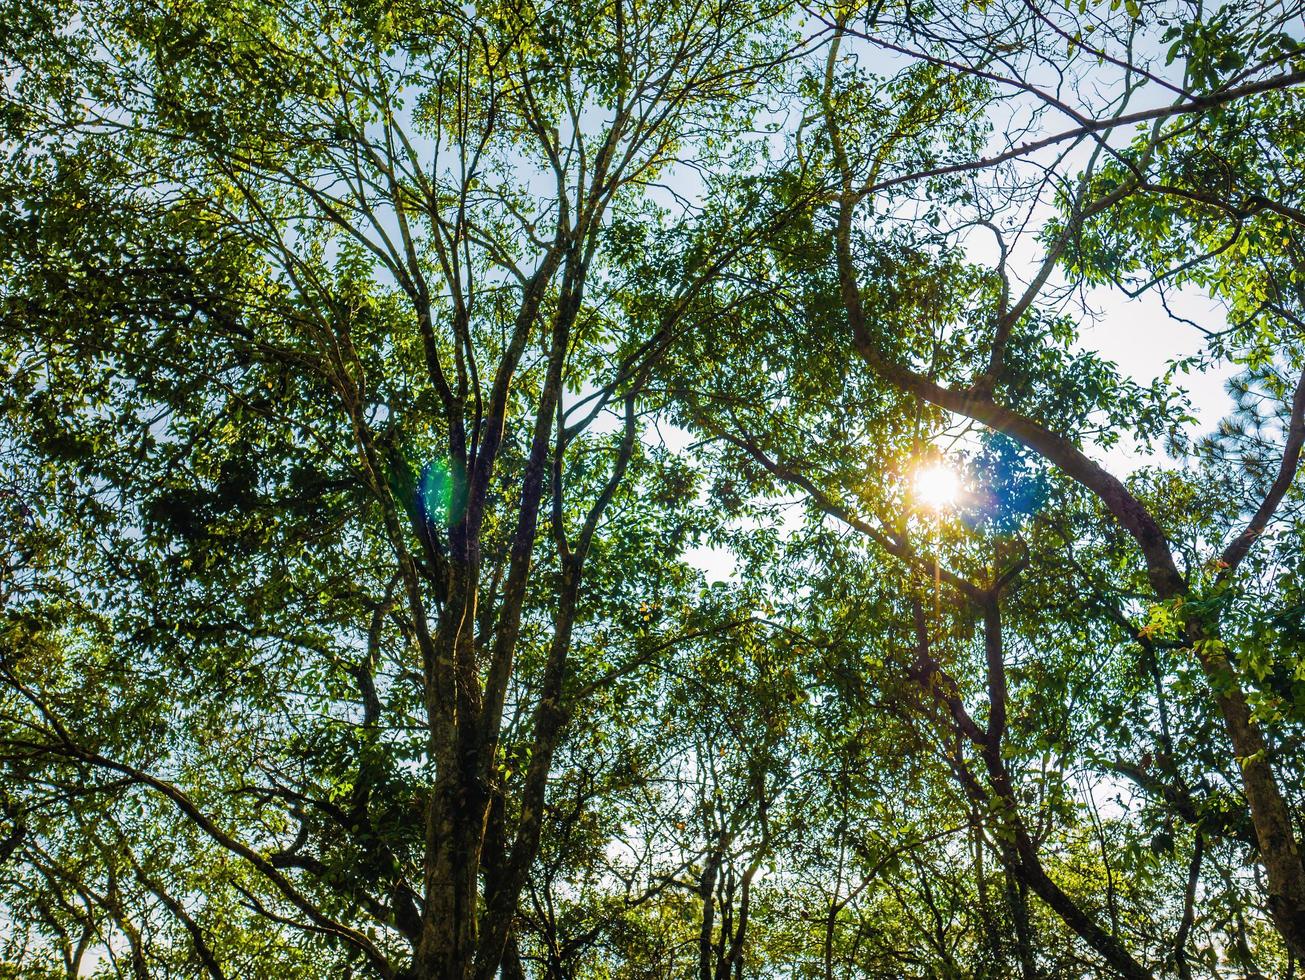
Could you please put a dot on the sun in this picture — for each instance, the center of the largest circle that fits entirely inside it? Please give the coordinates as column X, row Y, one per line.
column 937, row 487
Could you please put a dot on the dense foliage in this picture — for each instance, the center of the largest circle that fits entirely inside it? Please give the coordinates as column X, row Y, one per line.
column 465, row 473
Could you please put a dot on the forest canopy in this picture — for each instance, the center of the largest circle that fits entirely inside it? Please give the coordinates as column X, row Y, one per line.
column 610, row 490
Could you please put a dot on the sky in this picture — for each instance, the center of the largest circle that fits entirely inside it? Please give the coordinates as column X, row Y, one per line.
column 1143, row 339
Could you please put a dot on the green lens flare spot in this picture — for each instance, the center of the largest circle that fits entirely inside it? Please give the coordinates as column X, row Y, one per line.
column 435, row 493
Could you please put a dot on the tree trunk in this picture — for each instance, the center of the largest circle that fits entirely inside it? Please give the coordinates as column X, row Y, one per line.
column 455, row 823
column 1269, row 815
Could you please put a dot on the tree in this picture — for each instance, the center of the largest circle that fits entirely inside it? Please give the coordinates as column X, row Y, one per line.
column 374, row 373
column 883, row 273
column 327, row 408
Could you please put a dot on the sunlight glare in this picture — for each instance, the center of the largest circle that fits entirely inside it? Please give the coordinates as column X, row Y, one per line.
column 937, row 487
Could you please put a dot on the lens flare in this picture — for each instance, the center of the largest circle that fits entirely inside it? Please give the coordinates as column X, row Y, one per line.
column 435, row 493
column 937, row 487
